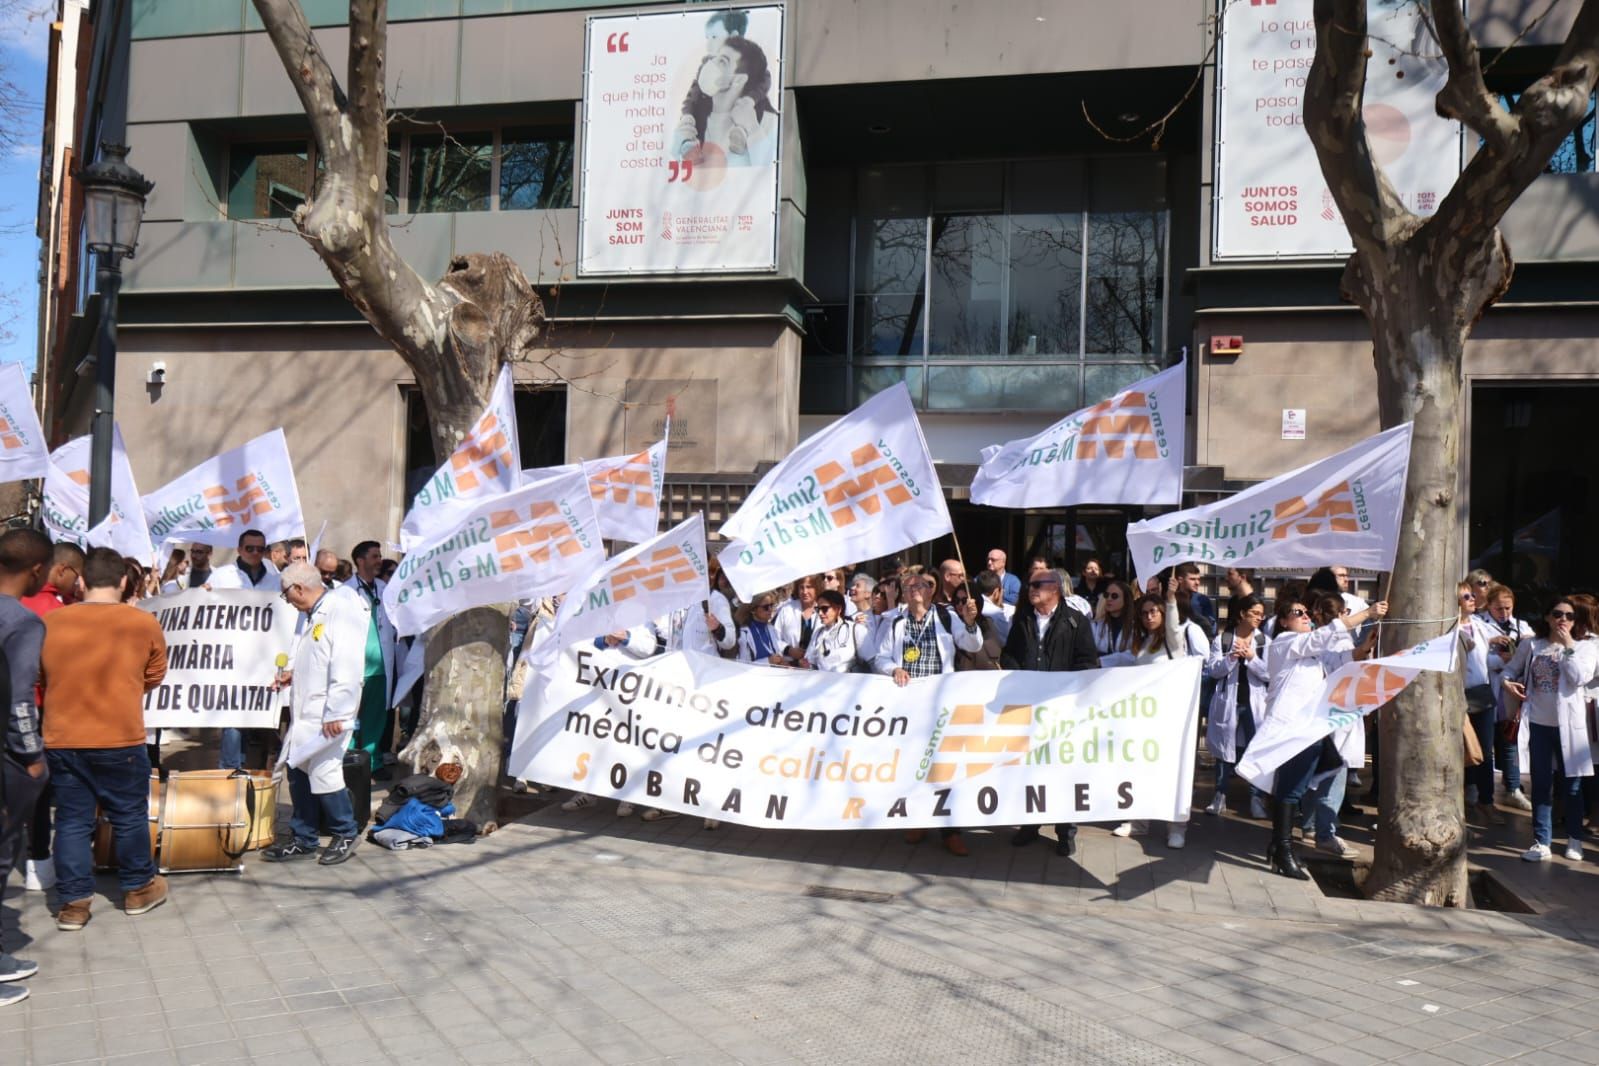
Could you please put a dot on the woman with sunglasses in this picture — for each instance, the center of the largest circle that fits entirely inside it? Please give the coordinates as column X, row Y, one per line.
column 1474, row 635
column 1294, row 667
column 796, row 620
column 1237, row 661
column 1550, row 676
column 1319, row 809
column 1114, row 623
column 832, row 646
column 758, row 641
column 885, row 608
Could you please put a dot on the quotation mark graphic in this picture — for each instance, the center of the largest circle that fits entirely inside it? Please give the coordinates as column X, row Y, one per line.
column 616, row 42
column 676, row 171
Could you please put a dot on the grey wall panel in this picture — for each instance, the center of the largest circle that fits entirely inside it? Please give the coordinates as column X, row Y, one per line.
column 841, row 42
column 182, row 255
column 522, row 57
column 272, row 255
column 543, row 243
column 1556, row 218
column 267, row 90
column 424, row 241
column 161, row 152
column 184, row 78
column 421, row 65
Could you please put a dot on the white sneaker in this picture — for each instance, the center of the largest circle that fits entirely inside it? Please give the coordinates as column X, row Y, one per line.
column 655, row 814
column 1257, row 808
column 40, row 875
column 1518, row 799
column 625, row 810
column 1217, row 804
column 1536, row 853
column 1176, row 838
column 712, row 823
column 1125, row 829
column 1336, row 846
column 581, row 801
column 1574, row 849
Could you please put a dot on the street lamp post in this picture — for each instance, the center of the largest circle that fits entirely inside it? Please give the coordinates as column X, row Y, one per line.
column 113, row 194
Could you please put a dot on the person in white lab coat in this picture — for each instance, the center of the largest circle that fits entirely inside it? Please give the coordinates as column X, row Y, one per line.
column 325, row 694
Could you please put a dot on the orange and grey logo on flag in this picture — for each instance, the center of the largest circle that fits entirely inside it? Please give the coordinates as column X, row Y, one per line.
column 1333, row 512
column 874, row 481
column 1118, row 428
column 670, row 565
column 10, row 436
column 240, row 506
column 1371, row 686
column 631, row 482
column 970, row 741
column 484, row 456
column 549, row 536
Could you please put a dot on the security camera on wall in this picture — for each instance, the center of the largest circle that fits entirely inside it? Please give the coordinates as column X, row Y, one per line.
column 157, row 375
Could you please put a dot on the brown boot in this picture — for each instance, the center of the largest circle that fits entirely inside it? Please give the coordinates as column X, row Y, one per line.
column 146, row 899
column 914, row 836
column 955, row 845
column 74, row 915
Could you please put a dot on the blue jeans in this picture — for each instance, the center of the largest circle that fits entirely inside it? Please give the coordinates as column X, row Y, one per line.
column 1293, row 776
column 1508, row 759
column 310, row 810
column 1323, row 805
column 1243, row 733
column 118, row 780
column 232, row 757
column 1543, row 745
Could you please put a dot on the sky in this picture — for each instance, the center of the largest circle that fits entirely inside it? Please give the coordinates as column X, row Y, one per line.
column 23, row 43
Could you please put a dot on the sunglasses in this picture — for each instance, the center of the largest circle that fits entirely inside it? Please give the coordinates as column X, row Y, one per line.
column 1299, row 612
column 1563, row 615
column 760, row 607
column 253, row 548
column 1482, row 584
column 1043, row 584
column 826, row 607
column 960, row 599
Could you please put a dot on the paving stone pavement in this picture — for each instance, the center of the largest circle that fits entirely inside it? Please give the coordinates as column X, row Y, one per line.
column 583, row 939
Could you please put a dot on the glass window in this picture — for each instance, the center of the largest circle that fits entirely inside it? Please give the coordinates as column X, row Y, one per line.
column 967, row 287
column 267, row 180
column 451, row 173
column 891, row 262
column 535, row 171
column 1124, row 302
column 1046, row 285
column 391, row 192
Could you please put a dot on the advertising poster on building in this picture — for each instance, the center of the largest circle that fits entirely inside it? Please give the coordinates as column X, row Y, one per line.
column 1271, row 201
column 223, row 653
column 681, row 139
column 808, row 749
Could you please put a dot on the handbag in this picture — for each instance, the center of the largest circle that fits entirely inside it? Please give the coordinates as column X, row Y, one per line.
column 1473, row 747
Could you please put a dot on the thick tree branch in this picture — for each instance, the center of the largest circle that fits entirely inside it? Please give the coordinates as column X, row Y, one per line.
column 1465, row 96
column 1334, row 98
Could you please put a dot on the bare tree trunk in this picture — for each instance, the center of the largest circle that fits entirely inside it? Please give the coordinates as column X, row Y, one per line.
column 454, row 336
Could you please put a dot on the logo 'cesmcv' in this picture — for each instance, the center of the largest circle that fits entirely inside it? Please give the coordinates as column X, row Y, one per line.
column 544, row 535
column 875, row 481
column 968, row 740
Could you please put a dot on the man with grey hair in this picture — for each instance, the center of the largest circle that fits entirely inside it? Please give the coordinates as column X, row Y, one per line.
column 324, row 695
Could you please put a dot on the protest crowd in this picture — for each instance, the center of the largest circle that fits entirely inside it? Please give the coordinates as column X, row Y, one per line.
column 1282, row 707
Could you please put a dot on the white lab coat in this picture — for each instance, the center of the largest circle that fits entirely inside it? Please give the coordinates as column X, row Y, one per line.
column 892, row 637
column 1221, row 729
column 789, row 621
column 231, row 577
column 1294, row 670
column 1001, row 614
column 1564, row 704
column 387, row 636
column 685, row 628
column 329, row 661
column 833, row 648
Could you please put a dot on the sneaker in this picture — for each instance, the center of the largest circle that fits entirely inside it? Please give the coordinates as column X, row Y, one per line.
column 146, row 899
column 1217, row 804
column 15, row 969
column 286, row 850
column 655, row 814
column 73, row 916
column 625, row 810
column 1336, row 846
column 1537, row 853
column 338, row 849
column 40, row 875
column 1176, row 838
column 1257, row 808
column 1573, row 852
column 13, row 994
column 580, row 802
column 1518, row 799
column 712, row 823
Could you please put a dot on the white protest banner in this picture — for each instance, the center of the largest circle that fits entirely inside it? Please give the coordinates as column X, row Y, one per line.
column 861, row 488
column 1350, row 692
column 636, row 587
column 1125, row 449
column 66, row 501
column 805, row 749
column 1271, row 200
column 250, row 487
column 682, row 131
column 1343, row 509
column 23, row 453
column 484, row 464
column 536, row 541
column 222, row 653
column 626, row 490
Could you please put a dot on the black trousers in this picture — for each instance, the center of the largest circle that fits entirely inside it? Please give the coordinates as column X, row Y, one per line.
column 19, row 796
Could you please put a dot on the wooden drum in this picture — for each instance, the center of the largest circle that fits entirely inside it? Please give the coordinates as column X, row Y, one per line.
column 210, row 818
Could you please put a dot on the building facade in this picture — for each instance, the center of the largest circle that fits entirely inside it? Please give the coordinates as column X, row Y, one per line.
column 962, row 207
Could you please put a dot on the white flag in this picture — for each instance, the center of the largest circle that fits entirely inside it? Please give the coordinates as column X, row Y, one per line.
column 536, row 541
column 23, row 453
column 1344, row 509
column 484, row 464
column 250, row 487
column 1127, row 449
column 861, row 488
column 638, row 586
column 1349, row 693
column 66, row 500
column 626, row 490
